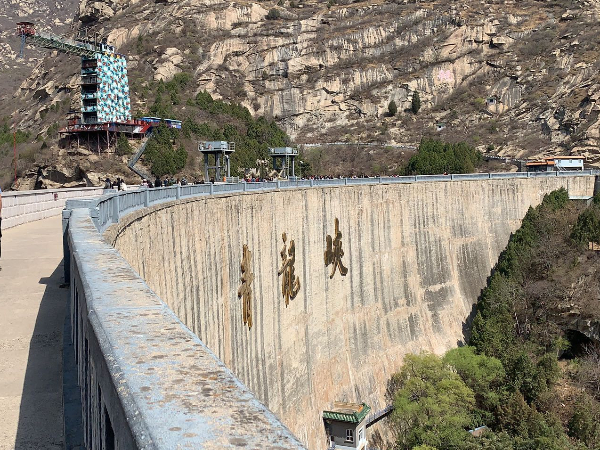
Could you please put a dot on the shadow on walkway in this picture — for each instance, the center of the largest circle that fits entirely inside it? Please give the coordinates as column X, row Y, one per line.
column 41, row 412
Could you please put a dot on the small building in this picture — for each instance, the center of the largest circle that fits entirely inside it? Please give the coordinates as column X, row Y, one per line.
column 556, row 163
column 540, row 166
column 346, row 425
column 567, row 162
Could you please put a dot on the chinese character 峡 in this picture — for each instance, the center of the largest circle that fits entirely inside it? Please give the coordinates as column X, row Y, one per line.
column 334, row 252
column 290, row 284
column 245, row 291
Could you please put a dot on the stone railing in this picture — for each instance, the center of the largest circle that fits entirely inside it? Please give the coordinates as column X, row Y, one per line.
column 19, row 207
column 146, row 380
column 108, row 209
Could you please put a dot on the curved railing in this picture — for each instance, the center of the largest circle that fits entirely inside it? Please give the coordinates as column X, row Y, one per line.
column 146, row 380
column 109, row 208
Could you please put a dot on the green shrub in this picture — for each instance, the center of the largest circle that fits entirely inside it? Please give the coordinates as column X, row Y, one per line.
column 587, row 227
column 434, row 157
column 392, row 108
column 415, row 104
column 123, row 146
column 556, row 199
column 163, row 158
column 585, row 422
column 432, row 405
column 273, row 14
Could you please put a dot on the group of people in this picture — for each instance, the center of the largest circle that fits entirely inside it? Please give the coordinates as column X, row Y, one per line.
column 166, row 182
column 119, row 184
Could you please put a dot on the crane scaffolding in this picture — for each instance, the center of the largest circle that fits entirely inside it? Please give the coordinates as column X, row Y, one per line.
column 105, row 105
column 80, row 47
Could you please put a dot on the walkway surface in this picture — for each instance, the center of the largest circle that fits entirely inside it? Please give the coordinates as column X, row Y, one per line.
column 32, row 313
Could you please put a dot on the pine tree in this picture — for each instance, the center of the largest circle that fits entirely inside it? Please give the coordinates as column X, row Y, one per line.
column 416, row 102
column 392, row 108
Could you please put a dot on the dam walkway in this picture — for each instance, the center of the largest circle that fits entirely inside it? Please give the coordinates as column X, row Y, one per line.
column 32, row 315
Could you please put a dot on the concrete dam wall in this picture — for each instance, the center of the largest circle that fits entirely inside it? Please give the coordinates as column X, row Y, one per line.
column 417, row 256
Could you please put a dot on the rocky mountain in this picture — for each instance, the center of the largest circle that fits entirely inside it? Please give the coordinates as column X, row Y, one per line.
column 513, row 78
column 49, row 15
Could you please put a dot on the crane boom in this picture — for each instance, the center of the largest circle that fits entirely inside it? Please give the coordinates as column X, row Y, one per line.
column 78, row 47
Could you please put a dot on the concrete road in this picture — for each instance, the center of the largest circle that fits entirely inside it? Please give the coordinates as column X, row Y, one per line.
column 32, row 312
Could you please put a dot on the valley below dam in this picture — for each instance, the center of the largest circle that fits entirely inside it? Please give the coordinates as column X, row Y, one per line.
column 417, row 256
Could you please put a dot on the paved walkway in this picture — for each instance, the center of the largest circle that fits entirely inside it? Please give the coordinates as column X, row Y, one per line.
column 32, row 312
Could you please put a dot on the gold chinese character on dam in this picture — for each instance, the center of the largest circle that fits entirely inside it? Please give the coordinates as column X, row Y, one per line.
column 290, row 283
column 334, row 252
column 245, row 291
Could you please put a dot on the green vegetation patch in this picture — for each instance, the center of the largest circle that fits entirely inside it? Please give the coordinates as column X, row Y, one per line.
column 435, row 157
column 204, row 118
column 510, row 379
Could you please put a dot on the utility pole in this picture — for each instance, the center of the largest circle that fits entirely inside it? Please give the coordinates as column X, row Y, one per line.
column 15, row 147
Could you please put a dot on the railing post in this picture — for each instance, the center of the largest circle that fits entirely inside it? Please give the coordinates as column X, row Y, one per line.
column 346, row 181
column 147, row 198
column 66, row 214
column 115, row 210
column 178, row 192
column 278, row 184
column 312, row 182
column 212, row 189
column 245, row 186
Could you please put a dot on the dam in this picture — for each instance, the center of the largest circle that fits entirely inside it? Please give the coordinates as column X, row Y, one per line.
column 379, row 270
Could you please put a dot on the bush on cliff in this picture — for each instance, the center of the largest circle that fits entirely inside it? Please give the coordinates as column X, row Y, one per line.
column 160, row 153
column 252, row 137
column 436, row 157
column 207, row 119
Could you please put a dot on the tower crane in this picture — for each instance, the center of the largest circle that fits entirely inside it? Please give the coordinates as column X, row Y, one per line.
column 105, row 103
column 104, row 82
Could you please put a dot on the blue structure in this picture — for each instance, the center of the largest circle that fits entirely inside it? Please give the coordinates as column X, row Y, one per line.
column 105, row 88
column 170, row 123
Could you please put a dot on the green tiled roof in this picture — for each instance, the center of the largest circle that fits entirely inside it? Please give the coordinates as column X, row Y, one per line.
column 355, row 417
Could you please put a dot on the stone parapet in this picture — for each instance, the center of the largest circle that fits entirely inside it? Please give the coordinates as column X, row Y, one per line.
column 147, row 382
column 19, row 207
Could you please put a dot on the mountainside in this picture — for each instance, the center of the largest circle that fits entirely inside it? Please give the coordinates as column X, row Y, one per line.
column 48, row 15
column 513, row 78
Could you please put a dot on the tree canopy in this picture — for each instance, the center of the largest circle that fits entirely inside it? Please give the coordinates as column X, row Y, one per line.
column 505, row 378
column 436, row 157
column 433, row 405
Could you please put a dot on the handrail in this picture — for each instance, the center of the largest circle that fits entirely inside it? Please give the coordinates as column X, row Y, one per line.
column 126, row 358
column 109, row 208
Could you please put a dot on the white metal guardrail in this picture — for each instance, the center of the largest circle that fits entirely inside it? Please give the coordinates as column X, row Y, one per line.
column 107, row 209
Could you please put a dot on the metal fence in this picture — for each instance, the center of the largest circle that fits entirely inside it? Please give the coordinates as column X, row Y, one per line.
column 109, row 208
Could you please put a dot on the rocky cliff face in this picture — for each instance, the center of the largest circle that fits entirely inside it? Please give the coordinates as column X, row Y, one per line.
column 49, row 16
column 520, row 78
